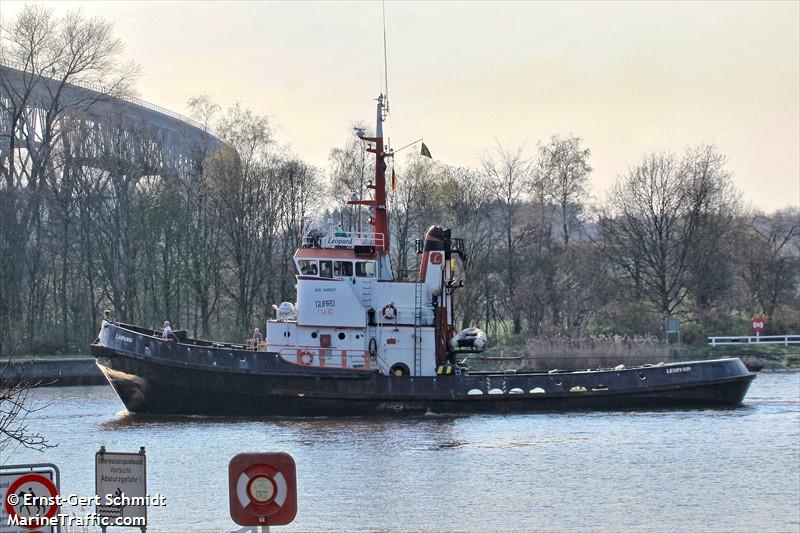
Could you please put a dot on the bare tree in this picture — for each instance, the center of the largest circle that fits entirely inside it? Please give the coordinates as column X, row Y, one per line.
column 15, row 405
column 656, row 217
column 299, row 183
column 48, row 56
column 559, row 196
column 409, row 205
column 466, row 207
column 508, row 176
column 351, row 169
column 563, row 172
column 203, row 251
column 771, row 258
column 247, row 200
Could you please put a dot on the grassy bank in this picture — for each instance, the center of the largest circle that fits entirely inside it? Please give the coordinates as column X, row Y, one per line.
column 609, row 351
column 772, row 357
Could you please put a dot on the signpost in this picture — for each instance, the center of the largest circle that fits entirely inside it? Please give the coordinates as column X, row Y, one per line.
column 263, row 489
column 758, row 324
column 29, row 498
column 673, row 328
column 121, row 484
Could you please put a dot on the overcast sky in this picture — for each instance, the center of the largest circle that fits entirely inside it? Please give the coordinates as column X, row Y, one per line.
column 629, row 78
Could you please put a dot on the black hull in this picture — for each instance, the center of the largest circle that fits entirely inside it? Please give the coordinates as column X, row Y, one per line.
column 171, row 378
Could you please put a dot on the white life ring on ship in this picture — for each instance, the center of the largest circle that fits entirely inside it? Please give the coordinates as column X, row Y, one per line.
column 389, row 312
column 306, row 358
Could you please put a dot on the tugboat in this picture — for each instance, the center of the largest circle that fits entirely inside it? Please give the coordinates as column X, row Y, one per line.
column 359, row 342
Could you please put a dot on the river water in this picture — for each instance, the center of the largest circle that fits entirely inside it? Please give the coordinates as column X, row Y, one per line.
column 692, row 470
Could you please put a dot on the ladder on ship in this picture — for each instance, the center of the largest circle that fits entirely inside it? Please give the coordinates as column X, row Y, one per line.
column 366, row 292
column 366, row 300
column 417, row 332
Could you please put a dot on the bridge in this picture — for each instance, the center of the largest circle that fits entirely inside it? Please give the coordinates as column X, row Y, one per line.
column 104, row 130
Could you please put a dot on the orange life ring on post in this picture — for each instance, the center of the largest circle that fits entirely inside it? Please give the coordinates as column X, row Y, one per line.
column 389, row 312
column 306, row 358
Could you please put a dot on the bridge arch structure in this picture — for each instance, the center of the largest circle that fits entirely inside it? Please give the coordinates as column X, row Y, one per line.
column 91, row 127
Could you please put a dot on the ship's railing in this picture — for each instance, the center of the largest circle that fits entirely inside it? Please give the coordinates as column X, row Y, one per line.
column 344, row 239
column 315, row 356
column 256, row 344
column 786, row 340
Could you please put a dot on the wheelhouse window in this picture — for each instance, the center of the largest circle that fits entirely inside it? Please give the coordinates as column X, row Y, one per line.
column 326, row 269
column 308, row 267
column 343, row 269
column 365, row 269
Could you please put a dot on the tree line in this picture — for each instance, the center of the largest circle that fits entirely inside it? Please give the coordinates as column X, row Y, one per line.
column 671, row 238
column 109, row 219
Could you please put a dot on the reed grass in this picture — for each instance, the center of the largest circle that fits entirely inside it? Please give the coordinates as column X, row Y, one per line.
column 565, row 353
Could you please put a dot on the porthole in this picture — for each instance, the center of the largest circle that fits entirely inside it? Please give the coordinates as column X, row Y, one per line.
column 358, row 336
column 313, row 334
column 341, row 336
column 642, row 376
column 558, row 382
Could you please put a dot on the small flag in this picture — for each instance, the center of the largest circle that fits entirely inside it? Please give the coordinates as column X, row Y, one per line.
column 394, row 181
column 425, row 152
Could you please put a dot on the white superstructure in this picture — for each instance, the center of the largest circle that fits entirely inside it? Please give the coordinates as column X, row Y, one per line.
column 351, row 313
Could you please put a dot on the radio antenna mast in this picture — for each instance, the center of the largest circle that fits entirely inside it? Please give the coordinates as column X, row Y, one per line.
column 385, row 64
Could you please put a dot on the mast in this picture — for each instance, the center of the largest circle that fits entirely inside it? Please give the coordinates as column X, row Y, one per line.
column 379, row 218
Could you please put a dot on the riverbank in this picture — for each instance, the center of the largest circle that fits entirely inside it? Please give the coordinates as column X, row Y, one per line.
column 52, row 370
column 602, row 352
column 765, row 356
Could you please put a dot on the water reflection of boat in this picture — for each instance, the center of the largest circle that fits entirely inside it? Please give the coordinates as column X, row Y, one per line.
column 358, row 342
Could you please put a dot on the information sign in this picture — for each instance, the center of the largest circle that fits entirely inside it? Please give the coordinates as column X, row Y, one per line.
column 121, row 484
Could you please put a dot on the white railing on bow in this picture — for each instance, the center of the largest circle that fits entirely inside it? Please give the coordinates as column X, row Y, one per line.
column 785, row 340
